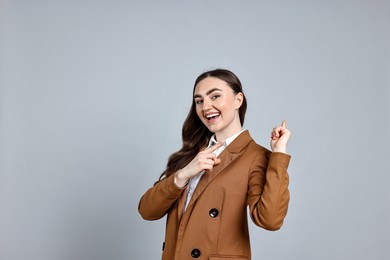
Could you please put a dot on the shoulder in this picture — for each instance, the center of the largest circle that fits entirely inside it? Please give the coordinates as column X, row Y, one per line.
column 252, row 154
column 257, row 153
column 245, row 145
column 256, row 148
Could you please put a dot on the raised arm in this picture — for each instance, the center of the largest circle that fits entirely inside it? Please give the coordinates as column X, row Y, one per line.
column 268, row 194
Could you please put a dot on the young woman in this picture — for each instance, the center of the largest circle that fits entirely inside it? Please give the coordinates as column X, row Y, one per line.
column 218, row 172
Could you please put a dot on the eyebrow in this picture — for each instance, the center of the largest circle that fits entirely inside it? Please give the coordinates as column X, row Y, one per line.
column 208, row 92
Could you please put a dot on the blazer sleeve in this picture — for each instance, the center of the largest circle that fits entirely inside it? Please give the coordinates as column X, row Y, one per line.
column 157, row 200
column 268, row 194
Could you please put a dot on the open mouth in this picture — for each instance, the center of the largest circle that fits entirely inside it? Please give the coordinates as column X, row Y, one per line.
column 212, row 116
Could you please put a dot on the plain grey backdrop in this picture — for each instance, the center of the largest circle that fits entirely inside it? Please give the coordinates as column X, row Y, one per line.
column 93, row 95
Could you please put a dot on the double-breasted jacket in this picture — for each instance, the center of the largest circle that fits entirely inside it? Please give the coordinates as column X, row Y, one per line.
column 215, row 224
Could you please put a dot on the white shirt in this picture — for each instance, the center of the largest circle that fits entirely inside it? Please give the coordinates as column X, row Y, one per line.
column 193, row 183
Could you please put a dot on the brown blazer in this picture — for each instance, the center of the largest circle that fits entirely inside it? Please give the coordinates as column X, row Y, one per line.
column 214, row 225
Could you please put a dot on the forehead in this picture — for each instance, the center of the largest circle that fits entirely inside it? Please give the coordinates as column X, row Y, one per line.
column 209, row 83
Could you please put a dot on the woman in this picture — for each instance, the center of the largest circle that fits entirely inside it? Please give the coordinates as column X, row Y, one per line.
column 218, row 172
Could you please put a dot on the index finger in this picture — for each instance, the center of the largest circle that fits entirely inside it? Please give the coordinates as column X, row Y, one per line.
column 214, row 147
column 284, row 124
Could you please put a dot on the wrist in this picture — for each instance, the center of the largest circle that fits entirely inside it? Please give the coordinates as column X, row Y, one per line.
column 180, row 180
column 280, row 150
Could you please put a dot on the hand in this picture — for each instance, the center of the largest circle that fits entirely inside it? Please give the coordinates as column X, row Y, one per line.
column 280, row 136
column 203, row 161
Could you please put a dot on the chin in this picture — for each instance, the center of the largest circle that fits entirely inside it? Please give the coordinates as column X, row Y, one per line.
column 213, row 129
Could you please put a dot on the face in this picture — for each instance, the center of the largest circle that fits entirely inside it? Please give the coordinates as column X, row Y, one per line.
column 217, row 107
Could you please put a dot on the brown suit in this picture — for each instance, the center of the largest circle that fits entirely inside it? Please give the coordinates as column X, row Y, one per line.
column 214, row 225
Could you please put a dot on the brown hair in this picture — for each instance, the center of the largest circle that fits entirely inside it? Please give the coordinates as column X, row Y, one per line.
column 195, row 134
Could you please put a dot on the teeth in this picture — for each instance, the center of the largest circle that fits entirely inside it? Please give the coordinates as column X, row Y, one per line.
column 211, row 115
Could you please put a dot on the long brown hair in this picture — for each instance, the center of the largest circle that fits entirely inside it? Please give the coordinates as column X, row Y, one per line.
column 195, row 134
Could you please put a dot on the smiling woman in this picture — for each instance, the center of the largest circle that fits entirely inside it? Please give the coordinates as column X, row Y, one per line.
column 217, row 106
column 217, row 173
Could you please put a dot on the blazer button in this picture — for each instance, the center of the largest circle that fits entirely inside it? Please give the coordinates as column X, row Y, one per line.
column 195, row 253
column 213, row 212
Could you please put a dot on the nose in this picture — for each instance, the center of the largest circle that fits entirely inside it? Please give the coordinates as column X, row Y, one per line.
column 206, row 104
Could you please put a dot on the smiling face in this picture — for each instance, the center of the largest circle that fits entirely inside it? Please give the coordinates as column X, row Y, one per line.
column 217, row 107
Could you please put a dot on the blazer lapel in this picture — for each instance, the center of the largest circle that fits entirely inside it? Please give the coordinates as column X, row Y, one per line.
column 231, row 152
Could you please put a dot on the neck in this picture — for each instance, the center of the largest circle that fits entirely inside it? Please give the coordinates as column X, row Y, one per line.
column 223, row 135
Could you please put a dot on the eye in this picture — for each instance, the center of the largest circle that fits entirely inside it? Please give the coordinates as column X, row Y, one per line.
column 215, row 97
column 198, row 101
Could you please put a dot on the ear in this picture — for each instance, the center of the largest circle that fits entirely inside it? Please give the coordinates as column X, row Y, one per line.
column 238, row 99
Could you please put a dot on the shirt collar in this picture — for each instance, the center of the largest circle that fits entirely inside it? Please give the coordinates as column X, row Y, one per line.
column 227, row 141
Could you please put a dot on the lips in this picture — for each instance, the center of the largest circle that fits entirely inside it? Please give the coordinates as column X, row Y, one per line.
column 212, row 116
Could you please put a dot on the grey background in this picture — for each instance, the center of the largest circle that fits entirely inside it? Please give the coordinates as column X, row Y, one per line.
column 93, row 95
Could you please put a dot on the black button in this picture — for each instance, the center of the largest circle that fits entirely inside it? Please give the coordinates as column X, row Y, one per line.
column 195, row 253
column 213, row 212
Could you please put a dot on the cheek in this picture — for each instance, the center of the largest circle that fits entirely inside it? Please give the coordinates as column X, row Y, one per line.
column 199, row 112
